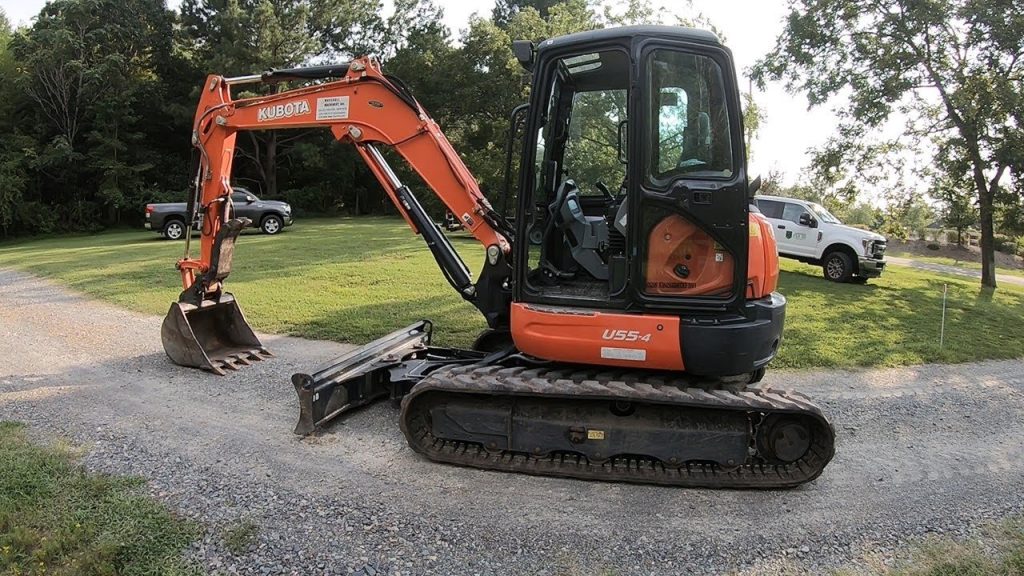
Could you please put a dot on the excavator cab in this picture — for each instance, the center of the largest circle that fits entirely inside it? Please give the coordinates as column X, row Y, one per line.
column 633, row 197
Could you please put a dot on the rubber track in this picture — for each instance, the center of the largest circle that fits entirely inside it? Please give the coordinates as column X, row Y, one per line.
column 633, row 386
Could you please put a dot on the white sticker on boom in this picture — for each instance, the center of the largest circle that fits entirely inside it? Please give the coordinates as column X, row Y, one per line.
column 333, row 108
column 623, row 354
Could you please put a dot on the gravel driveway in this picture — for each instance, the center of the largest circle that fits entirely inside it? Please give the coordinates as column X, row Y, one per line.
column 926, row 449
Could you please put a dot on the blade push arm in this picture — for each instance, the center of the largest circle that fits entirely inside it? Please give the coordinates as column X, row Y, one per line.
column 363, row 107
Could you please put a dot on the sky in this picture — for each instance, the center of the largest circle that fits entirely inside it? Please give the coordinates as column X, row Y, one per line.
column 750, row 30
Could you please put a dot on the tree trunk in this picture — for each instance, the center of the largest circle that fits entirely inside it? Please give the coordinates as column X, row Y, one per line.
column 986, row 195
column 270, row 165
column 988, row 244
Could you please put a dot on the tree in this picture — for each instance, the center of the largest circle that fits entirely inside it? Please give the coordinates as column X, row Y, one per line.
column 906, row 214
column 753, row 117
column 235, row 37
column 953, row 68
column 12, row 173
column 88, row 67
column 505, row 10
column 958, row 210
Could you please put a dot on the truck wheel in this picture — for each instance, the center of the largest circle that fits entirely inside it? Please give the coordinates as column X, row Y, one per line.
column 174, row 230
column 271, row 224
column 838, row 267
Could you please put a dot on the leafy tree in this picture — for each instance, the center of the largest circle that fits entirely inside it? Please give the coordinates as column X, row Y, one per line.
column 952, row 67
column 505, row 10
column 12, row 175
column 772, row 183
column 235, row 37
column 88, row 68
column 958, row 206
column 906, row 214
column 753, row 117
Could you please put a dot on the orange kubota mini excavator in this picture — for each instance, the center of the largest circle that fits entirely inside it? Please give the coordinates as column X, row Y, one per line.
column 631, row 301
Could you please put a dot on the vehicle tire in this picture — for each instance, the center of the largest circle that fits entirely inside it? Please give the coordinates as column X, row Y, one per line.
column 838, row 266
column 174, row 230
column 271, row 224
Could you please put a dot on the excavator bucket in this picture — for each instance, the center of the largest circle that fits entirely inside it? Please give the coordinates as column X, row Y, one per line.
column 211, row 333
column 213, row 336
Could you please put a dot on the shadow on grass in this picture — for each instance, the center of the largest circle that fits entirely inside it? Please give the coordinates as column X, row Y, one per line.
column 456, row 323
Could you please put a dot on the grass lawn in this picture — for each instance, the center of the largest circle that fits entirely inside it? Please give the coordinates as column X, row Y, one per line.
column 352, row 280
column 55, row 518
column 955, row 262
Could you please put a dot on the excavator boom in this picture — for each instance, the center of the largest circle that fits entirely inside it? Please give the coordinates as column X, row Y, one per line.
column 206, row 328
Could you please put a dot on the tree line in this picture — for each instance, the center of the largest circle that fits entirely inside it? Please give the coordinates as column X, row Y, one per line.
column 97, row 99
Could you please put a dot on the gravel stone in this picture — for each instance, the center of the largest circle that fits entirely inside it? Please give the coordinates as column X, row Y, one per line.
column 920, row 450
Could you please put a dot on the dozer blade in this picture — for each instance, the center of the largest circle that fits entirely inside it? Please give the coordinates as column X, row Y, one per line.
column 213, row 336
column 385, row 368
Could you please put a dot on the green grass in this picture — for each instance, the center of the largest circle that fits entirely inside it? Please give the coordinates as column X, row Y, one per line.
column 55, row 518
column 895, row 320
column 998, row 551
column 352, row 280
column 956, row 262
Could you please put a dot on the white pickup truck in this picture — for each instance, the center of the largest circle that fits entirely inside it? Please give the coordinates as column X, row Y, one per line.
column 806, row 231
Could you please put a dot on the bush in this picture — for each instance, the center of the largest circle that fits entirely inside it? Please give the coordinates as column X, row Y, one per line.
column 312, row 200
column 35, row 218
column 1020, row 246
column 933, row 246
column 1005, row 244
column 951, row 236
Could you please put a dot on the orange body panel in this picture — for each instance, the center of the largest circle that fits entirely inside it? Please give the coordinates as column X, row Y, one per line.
column 595, row 337
column 682, row 260
column 762, row 259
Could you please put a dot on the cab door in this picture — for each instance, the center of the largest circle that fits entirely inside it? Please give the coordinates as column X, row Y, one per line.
column 690, row 215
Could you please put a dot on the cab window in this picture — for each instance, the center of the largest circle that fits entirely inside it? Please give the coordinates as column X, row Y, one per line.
column 688, row 118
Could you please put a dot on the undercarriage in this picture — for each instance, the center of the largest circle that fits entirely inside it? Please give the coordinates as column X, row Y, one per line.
column 509, row 412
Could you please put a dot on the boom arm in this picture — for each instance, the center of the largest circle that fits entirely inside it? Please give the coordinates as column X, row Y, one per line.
column 363, row 107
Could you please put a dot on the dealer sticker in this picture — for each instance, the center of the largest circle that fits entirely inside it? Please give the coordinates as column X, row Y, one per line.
column 333, row 108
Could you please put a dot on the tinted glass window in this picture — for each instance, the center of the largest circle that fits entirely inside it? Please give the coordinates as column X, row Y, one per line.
column 687, row 118
column 792, row 212
column 770, row 208
column 591, row 154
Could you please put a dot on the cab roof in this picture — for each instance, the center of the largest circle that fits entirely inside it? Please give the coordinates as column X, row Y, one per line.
column 626, row 32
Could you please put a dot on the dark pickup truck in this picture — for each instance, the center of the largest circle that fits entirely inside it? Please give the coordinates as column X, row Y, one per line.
column 269, row 215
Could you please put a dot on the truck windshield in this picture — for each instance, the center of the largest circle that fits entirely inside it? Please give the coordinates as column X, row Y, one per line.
column 824, row 215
